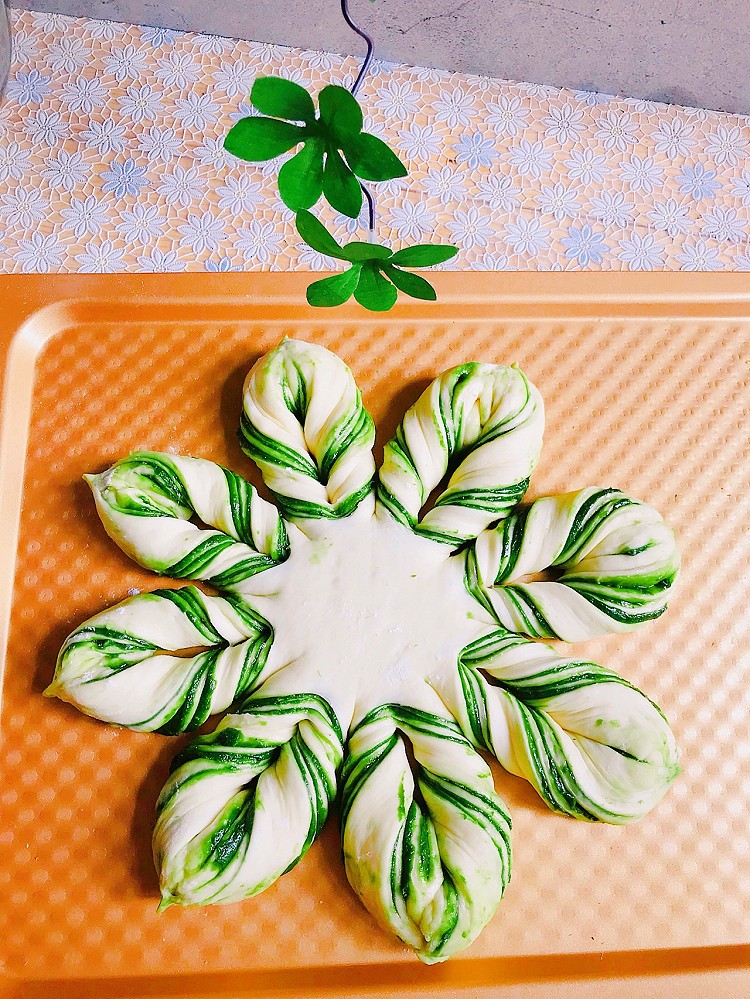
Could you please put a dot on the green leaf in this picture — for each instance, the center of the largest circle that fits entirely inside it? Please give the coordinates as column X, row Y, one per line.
column 334, row 290
column 257, row 139
column 411, row 284
column 423, row 255
column 301, row 177
column 367, row 251
column 282, row 99
column 340, row 186
column 318, row 237
column 371, row 159
column 374, row 292
column 340, row 112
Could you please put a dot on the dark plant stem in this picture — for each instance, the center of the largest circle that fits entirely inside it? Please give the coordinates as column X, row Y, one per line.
column 370, row 207
column 370, row 45
column 357, row 83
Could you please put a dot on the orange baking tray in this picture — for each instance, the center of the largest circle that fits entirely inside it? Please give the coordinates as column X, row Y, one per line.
column 645, row 380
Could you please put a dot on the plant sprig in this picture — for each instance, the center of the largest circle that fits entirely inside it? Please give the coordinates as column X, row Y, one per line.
column 376, row 274
column 335, row 151
column 336, row 156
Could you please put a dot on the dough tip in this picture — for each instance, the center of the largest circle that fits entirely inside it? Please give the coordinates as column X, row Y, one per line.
column 166, row 901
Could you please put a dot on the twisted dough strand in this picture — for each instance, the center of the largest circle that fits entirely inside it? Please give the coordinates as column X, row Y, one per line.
column 113, row 666
column 304, row 425
column 430, row 865
column 243, row 805
column 618, row 562
column 489, row 416
column 145, row 502
column 592, row 745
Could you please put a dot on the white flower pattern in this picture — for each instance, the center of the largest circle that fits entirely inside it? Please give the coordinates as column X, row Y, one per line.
column 196, row 111
column 412, row 220
column 445, row 184
column 530, row 158
column 674, row 137
column 105, row 135
column 508, row 116
column 559, row 201
column 698, row 255
column 728, row 145
column 86, row 216
column 100, row 258
column 641, row 252
column 671, row 217
column 260, row 240
column 397, row 101
column 182, row 185
column 726, row 224
column 65, row 170
column 612, row 208
column 46, row 127
column 455, row 107
column 564, row 122
column 500, row 192
column 41, row 253
column 23, row 207
column 178, row 69
column 67, row 54
column 235, row 78
column 617, row 131
column 526, row 235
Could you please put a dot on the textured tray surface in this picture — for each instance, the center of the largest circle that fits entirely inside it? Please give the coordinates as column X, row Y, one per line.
column 653, row 406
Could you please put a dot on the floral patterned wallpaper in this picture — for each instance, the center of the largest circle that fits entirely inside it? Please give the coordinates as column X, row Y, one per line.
column 111, row 159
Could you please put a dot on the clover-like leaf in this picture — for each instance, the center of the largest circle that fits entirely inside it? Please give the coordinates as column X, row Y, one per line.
column 371, row 159
column 301, row 177
column 334, row 290
column 374, row 291
column 335, row 149
column 376, row 277
column 257, row 139
column 367, row 251
column 423, row 255
column 411, row 284
column 318, row 237
column 340, row 112
column 280, row 98
column 340, row 186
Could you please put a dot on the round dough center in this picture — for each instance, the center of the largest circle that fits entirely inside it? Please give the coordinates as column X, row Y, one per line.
column 366, row 612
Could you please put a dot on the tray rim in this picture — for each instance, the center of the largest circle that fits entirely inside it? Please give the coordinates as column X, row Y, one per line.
column 38, row 308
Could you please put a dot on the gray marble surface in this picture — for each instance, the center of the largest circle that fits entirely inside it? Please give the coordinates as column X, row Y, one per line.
column 688, row 52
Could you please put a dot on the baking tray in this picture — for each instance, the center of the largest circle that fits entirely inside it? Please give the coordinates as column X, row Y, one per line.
column 645, row 381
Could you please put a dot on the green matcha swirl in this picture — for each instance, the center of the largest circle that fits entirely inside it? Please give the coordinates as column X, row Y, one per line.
column 483, row 424
column 146, row 500
column 119, row 666
column 304, row 426
column 591, row 744
column 244, row 804
column 611, row 562
column 427, row 848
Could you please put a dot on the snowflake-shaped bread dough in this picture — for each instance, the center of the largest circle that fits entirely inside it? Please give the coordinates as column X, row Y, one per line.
column 363, row 644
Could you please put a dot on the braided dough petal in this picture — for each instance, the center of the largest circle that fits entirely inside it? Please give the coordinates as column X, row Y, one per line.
column 304, row 425
column 616, row 557
column 489, row 416
column 244, row 804
column 114, row 667
column 431, row 865
column 591, row 744
column 145, row 502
